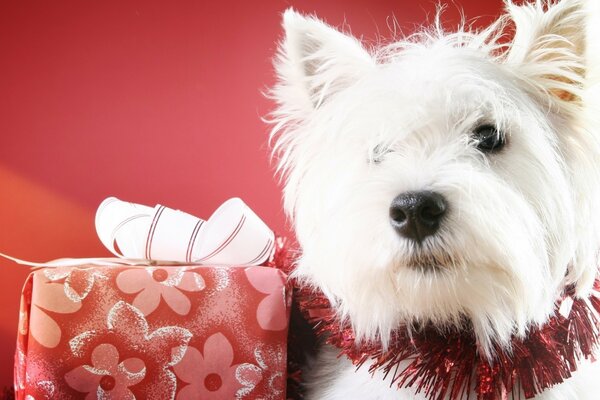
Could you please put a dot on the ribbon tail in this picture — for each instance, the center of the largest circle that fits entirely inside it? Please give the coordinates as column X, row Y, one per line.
column 73, row 262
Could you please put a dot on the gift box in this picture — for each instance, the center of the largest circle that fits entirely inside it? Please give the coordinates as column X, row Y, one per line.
column 185, row 311
column 153, row 332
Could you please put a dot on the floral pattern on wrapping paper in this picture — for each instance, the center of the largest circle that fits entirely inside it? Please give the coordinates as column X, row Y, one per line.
column 53, row 297
column 39, row 390
column 107, row 378
column 60, row 290
column 272, row 310
column 273, row 363
column 78, row 281
column 212, row 374
column 152, row 284
column 128, row 331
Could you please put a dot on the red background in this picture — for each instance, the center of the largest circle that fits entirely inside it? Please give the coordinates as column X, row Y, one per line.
column 151, row 101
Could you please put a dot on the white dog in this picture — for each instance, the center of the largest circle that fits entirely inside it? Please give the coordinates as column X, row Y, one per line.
column 443, row 176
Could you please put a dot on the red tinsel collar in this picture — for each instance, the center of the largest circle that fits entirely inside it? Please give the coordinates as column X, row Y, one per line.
column 447, row 365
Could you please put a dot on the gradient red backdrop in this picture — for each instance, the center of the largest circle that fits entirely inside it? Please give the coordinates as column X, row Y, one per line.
column 151, row 101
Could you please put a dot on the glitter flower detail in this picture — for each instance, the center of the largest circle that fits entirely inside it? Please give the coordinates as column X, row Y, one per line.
column 152, row 284
column 127, row 328
column 272, row 361
column 48, row 297
column 271, row 312
column 211, row 375
column 107, row 378
column 78, row 281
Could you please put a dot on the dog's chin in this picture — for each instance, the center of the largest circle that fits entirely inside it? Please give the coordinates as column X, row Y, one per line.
column 427, row 262
column 424, row 268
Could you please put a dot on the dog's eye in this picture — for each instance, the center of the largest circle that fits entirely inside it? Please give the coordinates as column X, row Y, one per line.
column 379, row 153
column 489, row 139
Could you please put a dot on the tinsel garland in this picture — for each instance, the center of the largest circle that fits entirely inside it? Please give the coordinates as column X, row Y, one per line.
column 447, row 365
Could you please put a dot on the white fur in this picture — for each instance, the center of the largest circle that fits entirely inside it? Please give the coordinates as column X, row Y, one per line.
column 521, row 223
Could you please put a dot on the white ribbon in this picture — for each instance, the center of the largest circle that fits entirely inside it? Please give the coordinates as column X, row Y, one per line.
column 233, row 235
column 74, row 262
column 142, row 235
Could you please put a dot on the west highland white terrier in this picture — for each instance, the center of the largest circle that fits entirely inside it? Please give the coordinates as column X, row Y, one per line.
column 444, row 177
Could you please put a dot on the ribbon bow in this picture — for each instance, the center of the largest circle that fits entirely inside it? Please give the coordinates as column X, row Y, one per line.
column 233, row 234
column 138, row 234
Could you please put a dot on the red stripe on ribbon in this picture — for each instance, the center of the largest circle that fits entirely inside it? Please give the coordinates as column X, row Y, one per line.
column 151, row 231
column 188, row 253
column 262, row 253
column 227, row 241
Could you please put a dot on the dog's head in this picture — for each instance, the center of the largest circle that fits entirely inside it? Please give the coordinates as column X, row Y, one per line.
column 445, row 175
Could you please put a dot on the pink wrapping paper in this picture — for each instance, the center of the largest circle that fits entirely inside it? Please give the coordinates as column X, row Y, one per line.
column 124, row 332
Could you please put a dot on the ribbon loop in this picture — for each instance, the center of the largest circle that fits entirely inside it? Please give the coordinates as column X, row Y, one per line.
column 233, row 235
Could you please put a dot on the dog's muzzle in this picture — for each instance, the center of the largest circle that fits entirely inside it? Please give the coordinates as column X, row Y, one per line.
column 416, row 215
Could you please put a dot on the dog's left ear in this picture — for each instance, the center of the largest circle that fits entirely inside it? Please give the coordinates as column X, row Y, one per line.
column 315, row 62
column 556, row 49
column 551, row 46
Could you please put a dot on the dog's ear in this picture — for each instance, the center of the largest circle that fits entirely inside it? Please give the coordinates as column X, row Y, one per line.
column 550, row 46
column 314, row 62
column 557, row 48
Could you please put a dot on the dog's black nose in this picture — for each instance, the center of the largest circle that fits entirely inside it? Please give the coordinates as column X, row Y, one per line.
column 416, row 215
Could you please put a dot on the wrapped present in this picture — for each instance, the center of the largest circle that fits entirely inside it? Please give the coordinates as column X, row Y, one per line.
column 114, row 329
